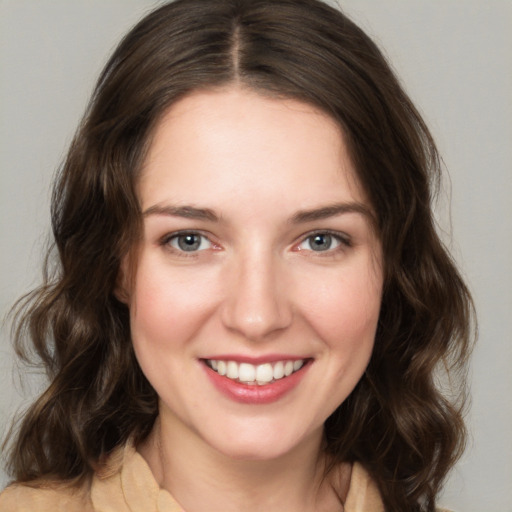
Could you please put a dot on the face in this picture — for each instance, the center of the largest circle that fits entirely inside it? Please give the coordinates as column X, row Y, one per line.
column 258, row 282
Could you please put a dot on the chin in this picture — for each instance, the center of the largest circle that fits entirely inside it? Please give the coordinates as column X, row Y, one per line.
column 262, row 443
column 254, row 451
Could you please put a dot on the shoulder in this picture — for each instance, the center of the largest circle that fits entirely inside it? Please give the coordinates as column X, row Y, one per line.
column 103, row 490
column 45, row 497
column 363, row 493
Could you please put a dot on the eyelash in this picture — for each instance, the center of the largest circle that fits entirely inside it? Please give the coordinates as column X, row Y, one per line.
column 342, row 239
column 167, row 240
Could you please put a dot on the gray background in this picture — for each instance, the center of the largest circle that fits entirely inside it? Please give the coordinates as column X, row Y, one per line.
column 455, row 58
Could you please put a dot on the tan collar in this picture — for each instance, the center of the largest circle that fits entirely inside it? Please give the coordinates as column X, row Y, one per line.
column 126, row 484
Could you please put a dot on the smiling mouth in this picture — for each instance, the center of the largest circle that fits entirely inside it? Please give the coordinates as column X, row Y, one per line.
column 255, row 375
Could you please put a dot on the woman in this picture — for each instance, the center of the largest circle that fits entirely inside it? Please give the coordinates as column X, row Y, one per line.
column 252, row 304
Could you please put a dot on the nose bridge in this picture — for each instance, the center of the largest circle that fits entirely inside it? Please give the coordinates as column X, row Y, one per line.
column 257, row 303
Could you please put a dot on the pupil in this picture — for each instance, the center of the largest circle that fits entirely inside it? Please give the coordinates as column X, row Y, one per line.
column 189, row 242
column 321, row 242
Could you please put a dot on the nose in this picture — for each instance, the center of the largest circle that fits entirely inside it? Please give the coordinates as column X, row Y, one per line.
column 257, row 303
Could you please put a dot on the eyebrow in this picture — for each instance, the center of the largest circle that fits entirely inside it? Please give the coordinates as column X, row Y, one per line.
column 332, row 211
column 302, row 216
column 187, row 212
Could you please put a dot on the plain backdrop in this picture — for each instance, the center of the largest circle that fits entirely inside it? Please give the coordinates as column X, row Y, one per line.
column 455, row 59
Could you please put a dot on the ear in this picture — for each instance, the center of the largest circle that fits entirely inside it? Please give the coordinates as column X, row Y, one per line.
column 123, row 282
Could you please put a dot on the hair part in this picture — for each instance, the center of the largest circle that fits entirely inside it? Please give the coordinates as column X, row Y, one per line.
column 396, row 422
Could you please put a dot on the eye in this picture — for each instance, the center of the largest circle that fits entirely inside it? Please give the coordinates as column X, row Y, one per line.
column 322, row 242
column 189, row 242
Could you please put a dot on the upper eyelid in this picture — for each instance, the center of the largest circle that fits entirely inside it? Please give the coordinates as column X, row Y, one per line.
column 343, row 237
column 166, row 242
column 182, row 232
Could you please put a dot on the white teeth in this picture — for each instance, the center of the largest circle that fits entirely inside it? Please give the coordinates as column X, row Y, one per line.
column 232, row 372
column 221, row 367
column 246, row 372
column 279, row 370
column 264, row 373
column 255, row 374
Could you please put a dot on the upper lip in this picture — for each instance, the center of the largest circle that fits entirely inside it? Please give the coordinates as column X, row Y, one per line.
column 270, row 358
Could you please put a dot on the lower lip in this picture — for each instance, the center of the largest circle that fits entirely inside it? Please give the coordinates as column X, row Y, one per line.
column 255, row 394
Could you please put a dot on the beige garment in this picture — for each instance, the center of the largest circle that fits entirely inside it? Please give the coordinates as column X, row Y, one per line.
column 127, row 485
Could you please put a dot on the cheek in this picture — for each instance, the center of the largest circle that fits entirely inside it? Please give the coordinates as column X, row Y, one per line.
column 351, row 300
column 344, row 314
column 344, row 309
column 167, row 306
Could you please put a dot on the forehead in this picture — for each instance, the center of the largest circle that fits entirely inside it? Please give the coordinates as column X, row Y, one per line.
column 231, row 143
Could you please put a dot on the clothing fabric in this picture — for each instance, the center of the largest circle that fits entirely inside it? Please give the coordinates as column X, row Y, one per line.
column 128, row 485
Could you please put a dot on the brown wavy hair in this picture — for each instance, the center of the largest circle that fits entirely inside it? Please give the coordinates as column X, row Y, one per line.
column 398, row 422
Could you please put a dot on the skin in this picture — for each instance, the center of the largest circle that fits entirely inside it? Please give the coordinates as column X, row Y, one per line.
column 252, row 165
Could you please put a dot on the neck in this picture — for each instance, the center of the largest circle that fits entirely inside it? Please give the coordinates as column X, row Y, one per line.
column 197, row 475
